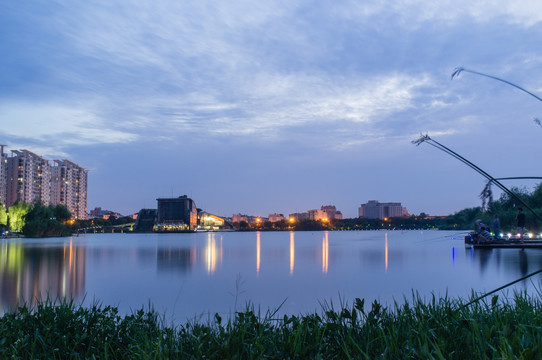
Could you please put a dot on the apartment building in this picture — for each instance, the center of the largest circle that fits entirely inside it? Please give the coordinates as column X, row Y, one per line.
column 27, row 177
column 3, row 175
column 69, row 187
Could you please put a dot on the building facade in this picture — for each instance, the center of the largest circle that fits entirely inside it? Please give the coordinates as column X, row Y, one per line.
column 176, row 214
column 69, row 187
column 332, row 212
column 29, row 178
column 377, row 210
column 3, row 175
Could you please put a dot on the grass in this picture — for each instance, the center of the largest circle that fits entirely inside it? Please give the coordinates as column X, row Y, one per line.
column 441, row 328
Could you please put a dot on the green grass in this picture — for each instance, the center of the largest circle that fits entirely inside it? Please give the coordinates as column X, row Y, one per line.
column 441, row 328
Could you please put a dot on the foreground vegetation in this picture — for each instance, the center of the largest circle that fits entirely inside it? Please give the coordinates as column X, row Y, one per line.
column 439, row 329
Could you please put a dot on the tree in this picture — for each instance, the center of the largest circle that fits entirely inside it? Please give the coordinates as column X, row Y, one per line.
column 42, row 221
column 16, row 214
column 3, row 215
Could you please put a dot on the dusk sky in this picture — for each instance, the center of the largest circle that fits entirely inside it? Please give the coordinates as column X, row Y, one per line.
column 259, row 107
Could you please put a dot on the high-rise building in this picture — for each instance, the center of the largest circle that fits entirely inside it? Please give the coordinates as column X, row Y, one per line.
column 69, row 187
column 376, row 210
column 28, row 178
column 3, row 176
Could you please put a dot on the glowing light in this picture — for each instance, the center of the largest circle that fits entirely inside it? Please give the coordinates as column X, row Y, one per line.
column 292, row 252
column 531, row 235
column 509, row 235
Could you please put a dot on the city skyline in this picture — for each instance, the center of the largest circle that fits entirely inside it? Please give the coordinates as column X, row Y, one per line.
column 262, row 107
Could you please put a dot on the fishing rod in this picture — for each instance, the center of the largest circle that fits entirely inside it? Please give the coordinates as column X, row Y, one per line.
column 459, row 70
column 426, row 139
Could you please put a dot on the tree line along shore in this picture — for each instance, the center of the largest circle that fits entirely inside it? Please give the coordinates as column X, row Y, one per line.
column 38, row 220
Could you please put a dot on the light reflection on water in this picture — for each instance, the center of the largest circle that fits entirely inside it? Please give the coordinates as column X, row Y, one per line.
column 187, row 275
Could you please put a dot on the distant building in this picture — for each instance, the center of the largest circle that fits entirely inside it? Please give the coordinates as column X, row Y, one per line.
column 332, row 212
column 317, row 214
column 276, row 217
column 103, row 214
column 237, row 218
column 176, row 214
column 376, row 210
column 299, row 216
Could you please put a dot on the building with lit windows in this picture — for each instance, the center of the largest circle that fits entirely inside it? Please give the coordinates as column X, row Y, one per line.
column 376, row 210
column 28, row 178
column 176, row 214
column 3, row 175
column 69, row 187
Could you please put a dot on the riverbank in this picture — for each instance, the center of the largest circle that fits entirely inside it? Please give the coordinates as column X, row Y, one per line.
column 441, row 328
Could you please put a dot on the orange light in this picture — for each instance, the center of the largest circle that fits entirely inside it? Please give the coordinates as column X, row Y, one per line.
column 291, row 220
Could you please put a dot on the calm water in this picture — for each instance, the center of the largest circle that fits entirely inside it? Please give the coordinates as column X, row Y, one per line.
column 194, row 275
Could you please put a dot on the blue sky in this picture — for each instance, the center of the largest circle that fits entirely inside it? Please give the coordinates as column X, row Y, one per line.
column 274, row 106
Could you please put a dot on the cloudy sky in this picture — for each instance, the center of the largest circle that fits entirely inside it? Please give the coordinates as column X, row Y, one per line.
column 274, row 106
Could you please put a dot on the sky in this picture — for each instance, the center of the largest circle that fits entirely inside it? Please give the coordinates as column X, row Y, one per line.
column 260, row 107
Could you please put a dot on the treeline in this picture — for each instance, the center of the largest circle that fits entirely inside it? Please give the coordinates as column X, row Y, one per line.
column 505, row 208
column 36, row 220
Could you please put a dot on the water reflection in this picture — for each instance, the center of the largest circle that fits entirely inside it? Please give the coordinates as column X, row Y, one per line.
column 133, row 269
column 292, row 252
column 325, row 252
column 211, row 252
column 28, row 274
column 386, row 251
column 258, row 253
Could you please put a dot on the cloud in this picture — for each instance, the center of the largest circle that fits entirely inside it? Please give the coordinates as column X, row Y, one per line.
column 415, row 13
column 59, row 125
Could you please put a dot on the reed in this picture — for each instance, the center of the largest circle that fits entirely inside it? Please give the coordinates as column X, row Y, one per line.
column 440, row 328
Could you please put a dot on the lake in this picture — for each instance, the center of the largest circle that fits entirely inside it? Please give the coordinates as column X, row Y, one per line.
column 193, row 276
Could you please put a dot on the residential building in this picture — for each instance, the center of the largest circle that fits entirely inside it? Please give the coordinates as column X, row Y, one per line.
column 3, row 175
column 299, row 216
column 237, row 218
column 376, row 210
column 332, row 212
column 317, row 214
column 28, row 178
column 69, row 187
column 276, row 217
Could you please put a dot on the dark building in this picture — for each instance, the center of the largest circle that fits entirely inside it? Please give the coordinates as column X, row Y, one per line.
column 145, row 220
column 176, row 214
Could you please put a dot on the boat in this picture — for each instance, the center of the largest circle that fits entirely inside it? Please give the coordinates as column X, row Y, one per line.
column 472, row 241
